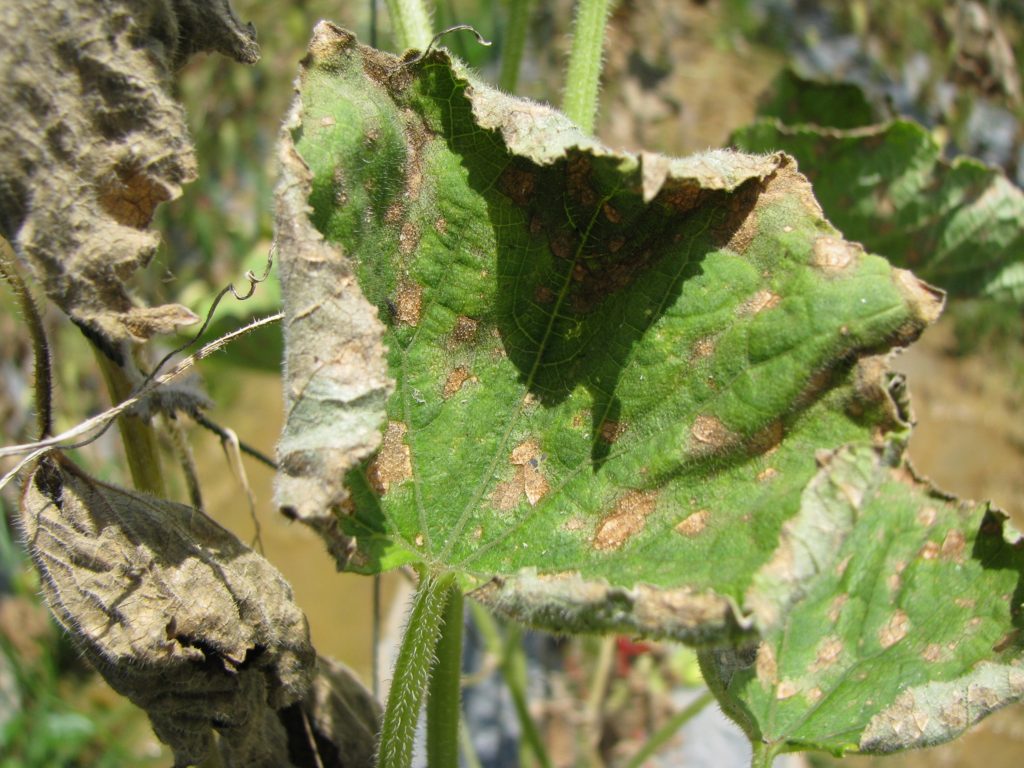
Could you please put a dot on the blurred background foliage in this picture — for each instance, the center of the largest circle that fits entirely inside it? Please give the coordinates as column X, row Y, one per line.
column 681, row 76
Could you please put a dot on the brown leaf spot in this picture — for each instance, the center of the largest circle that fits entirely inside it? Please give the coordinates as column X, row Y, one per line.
column 926, row 516
column 767, row 440
column 786, row 690
column 625, row 520
column 543, row 295
column 929, row 551
column 562, row 244
column 694, row 524
column 518, row 184
column 828, row 653
column 842, row 565
column 814, row 694
column 327, row 122
column 953, row 546
column 420, row 540
column 394, row 213
column 835, row 610
column 1007, row 641
column 455, row 380
column 574, row 524
column 527, row 481
column 894, row 582
column 833, row 254
column 766, row 667
column 767, row 474
column 392, row 464
column 759, row 302
column 933, row 653
column 409, row 303
column 682, row 196
column 611, row 213
column 711, row 433
column 478, row 533
column 440, row 225
column 611, row 431
column 964, row 602
column 894, row 630
column 703, row 348
column 408, row 238
column 465, row 330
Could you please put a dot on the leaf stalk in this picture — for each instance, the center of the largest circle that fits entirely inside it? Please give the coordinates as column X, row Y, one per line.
column 444, row 693
column 586, row 59
column 410, row 24
column 412, row 671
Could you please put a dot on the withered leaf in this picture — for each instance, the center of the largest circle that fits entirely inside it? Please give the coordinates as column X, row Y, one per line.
column 92, row 141
column 174, row 611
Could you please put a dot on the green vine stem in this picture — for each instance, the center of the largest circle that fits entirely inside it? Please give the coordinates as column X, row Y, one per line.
column 137, row 435
column 412, row 671
column 658, row 739
column 764, row 755
column 410, row 24
column 43, row 378
column 512, row 665
column 583, row 78
column 515, row 43
column 443, row 695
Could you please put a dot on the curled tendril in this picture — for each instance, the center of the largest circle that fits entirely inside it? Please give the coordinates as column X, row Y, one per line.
column 253, row 280
column 437, row 38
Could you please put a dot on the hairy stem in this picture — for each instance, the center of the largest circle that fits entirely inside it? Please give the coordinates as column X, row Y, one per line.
column 412, row 672
column 43, row 363
column 764, row 755
column 515, row 43
column 410, row 24
column 443, row 695
column 140, row 445
column 658, row 739
column 583, row 78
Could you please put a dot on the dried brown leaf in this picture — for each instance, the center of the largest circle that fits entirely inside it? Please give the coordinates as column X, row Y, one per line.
column 173, row 610
column 92, row 141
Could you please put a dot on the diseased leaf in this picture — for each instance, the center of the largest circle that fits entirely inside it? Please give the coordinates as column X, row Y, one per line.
column 173, row 610
column 335, row 376
column 905, row 630
column 612, row 370
column 794, row 100
column 957, row 224
column 92, row 141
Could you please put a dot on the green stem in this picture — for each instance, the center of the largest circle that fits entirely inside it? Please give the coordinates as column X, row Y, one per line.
column 412, row 672
column 764, row 755
column 513, row 669
column 668, row 730
column 410, row 24
column 444, row 691
column 584, row 75
column 515, row 43
column 138, row 435
column 43, row 363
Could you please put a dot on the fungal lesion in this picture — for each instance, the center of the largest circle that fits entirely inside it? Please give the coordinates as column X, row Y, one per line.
column 528, row 480
column 627, row 518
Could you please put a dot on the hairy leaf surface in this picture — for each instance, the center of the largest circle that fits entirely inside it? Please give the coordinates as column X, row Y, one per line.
column 174, row 611
column 957, row 224
column 612, row 370
column 907, row 630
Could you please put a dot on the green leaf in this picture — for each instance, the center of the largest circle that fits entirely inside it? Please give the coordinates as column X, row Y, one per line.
column 956, row 224
column 612, row 371
column 903, row 635
column 793, row 100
